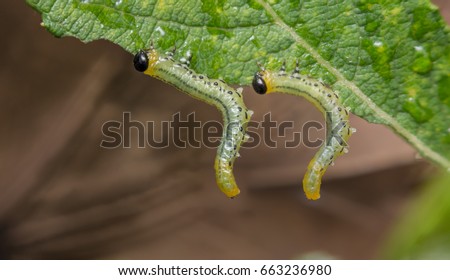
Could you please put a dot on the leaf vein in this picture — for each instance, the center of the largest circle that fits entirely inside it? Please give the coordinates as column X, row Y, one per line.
column 414, row 140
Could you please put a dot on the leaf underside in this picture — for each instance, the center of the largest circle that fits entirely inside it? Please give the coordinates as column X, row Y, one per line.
column 390, row 60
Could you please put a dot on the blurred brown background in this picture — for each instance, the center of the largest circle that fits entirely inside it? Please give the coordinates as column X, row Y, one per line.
column 64, row 197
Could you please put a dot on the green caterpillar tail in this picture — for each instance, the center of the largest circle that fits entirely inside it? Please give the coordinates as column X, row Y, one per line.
column 327, row 101
column 214, row 92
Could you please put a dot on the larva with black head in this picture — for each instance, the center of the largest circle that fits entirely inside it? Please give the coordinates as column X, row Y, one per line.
column 214, row 92
column 327, row 101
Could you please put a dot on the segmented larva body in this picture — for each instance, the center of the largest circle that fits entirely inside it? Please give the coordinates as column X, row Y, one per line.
column 327, row 101
column 215, row 92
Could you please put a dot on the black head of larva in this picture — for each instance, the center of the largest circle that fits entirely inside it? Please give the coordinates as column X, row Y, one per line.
column 259, row 85
column 141, row 61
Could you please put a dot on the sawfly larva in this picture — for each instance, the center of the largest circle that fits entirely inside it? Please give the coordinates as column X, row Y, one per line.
column 214, row 92
column 327, row 101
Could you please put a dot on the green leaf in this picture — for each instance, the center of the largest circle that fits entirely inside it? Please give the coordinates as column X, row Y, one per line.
column 389, row 59
column 424, row 231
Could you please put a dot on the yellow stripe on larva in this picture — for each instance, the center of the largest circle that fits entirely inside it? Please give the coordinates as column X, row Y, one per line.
column 327, row 101
column 214, row 92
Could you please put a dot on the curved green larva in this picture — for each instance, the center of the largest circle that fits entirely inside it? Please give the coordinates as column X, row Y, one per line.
column 327, row 101
column 215, row 92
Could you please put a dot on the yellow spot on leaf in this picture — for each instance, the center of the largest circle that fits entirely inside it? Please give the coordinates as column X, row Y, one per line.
column 412, row 92
column 396, row 11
